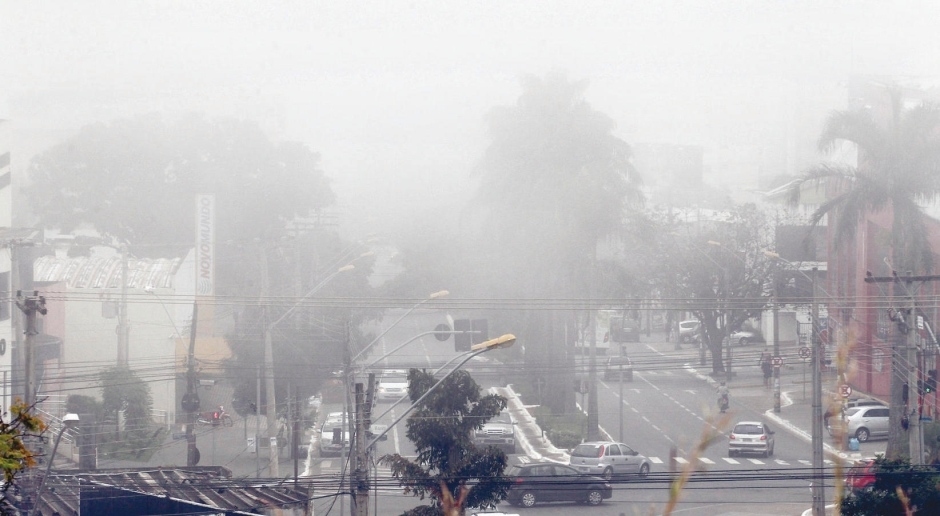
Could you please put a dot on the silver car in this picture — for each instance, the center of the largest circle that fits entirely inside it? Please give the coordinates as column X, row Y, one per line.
column 607, row 459
column 864, row 422
column 751, row 437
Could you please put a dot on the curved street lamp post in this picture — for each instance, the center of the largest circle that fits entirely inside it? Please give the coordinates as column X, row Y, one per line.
column 69, row 421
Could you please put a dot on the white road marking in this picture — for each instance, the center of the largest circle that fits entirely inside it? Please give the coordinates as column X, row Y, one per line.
column 326, row 464
column 706, row 460
column 730, row 460
column 756, row 461
column 655, row 460
column 782, row 462
column 806, row 462
column 681, row 460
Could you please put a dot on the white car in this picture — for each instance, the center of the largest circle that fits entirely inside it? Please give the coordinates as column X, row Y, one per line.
column 393, row 385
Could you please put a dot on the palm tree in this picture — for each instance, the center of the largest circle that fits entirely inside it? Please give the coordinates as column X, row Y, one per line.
column 896, row 173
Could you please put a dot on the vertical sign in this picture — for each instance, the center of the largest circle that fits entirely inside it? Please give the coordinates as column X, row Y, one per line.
column 204, row 285
column 205, row 245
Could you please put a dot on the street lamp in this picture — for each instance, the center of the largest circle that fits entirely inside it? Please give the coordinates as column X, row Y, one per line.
column 271, row 414
column 69, row 421
column 434, row 295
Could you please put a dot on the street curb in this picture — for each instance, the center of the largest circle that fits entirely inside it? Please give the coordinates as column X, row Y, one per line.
column 531, row 423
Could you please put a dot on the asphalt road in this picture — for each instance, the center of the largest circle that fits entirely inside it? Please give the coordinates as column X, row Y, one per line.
column 666, row 411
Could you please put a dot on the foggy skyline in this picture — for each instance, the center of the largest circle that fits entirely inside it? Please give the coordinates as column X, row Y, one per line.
column 393, row 96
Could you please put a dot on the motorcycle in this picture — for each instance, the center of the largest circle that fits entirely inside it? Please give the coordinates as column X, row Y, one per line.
column 723, row 402
column 215, row 418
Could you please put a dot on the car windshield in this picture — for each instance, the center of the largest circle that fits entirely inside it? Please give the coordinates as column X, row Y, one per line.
column 852, row 411
column 394, row 379
column 502, row 417
column 513, row 471
column 586, row 450
column 748, row 429
column 688, row 325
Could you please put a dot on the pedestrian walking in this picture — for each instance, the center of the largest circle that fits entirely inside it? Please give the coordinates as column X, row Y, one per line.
column 766, row 368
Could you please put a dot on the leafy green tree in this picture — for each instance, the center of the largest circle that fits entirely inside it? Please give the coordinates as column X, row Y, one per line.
column 15, row 455
column 719, row 272
column 449, row 469
column 898, row 165
column 899, row 488
column 123, row 391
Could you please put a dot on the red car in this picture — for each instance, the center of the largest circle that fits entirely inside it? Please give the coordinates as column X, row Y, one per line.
column 861, row 476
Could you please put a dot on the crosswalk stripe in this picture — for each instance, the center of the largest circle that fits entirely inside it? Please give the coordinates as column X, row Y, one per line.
column 706, row 460
column 681, row 460
column 655, row 460
column 730, row 460
column 326, row 464
column 806, row 462
column 782, row 462
column 756, row 461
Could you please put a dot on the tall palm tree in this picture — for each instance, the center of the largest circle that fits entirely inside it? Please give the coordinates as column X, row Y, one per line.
column 897, row 172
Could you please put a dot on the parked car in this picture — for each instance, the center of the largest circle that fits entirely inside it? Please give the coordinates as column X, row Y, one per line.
column 539, row 482
column 620, row 367
column 393, row 384
column 838, row 404
column 745, row 337
column 608, row 459
column 689, row 330
column 861, row 475
column 500, row 431
column 864, row 422
column 751, row 437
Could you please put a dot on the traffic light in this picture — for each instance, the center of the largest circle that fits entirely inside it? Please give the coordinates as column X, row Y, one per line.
column 931, row 384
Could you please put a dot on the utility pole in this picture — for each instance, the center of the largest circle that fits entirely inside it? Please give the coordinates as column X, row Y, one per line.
column 776, row 359
column 190, row 403
column 914, row 381
column 30, row 305
column 123, row 331
column 819, row 494
column 360, row 480
column 906, row 319
column 271, row 405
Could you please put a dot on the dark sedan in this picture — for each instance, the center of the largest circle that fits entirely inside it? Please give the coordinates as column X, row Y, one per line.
column 540, row 482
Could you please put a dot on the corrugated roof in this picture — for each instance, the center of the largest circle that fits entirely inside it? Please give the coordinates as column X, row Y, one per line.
column 105, row 272
column 211, row 487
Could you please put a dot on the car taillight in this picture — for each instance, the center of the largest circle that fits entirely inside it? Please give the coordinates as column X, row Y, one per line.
column 731, row 437
column 518, row 480
column 763, row 438
column 600, row 451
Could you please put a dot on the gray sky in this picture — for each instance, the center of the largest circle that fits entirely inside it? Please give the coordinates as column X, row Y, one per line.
column 393, row 94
